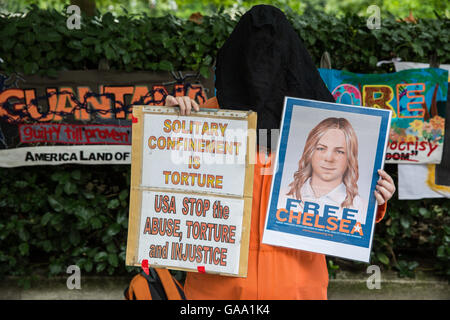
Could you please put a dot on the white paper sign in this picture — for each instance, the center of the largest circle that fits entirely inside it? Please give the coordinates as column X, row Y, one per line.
column 195, row 153
column 188, row 231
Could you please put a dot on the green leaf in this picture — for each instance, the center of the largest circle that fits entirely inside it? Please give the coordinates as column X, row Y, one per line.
column 122, row 219
column 101, row 256
column 204, row 71
column 88, row 266
column 89, row 41
column 113, row 204
column 74, row 44
column 208, row 60
column 107, row 18
column 404, row 221
column 98, row 48
column 23, row 234
column 70, row 188
column 20, row 184
column 126, row 58
column 76, row 175
column 100, row 267
column 47, row 245
column 20, row 50
column 74, row 237
column 53, row 37
column 424, row 212
column 183, row 52
column 412, row 265
column 52, row 73
column 165, row 65
column 23, row 248
column 383, row 258
column 29, row 38
column 113, row 230
column 418, row 49
column 123, row 194
column 55, row 268
column 113, row 260
column 332, row 266
column 111, row 248
column 441, row 252
column 8, row 45
column 30, row 67
column 9, row 30
column 109, row 52
column 55, row 204
column 88, row 195
column 96, row 223
column 46, row 218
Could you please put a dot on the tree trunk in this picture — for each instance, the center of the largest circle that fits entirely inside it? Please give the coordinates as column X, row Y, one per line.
column 86, row 6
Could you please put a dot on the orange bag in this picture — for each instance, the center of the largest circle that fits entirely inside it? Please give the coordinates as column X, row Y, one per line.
column 159, row 284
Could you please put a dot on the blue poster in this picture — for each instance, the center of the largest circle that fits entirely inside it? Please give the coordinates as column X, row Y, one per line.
column 322, row 195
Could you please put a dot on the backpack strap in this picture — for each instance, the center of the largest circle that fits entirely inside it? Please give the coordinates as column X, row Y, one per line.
column 155, row 285
column 138, row 289
column 180, row 289
column 168, row 282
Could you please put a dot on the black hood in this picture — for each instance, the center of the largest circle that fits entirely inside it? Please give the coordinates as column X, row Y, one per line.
column 261, row 62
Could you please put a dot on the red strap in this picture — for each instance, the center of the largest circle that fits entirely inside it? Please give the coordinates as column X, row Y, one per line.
column 201, row 269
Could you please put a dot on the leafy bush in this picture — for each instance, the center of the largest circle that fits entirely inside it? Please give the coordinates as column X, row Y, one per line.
column 55, row 216
column 413, row 236
column 41, row 43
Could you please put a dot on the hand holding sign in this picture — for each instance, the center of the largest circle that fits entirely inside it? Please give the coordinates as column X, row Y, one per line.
column 385, row 188
column 185, row 103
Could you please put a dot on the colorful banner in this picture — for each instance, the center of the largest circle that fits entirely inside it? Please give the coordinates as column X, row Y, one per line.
column 417, row 99
column 81, row 116
column 322, row 195
column 420, row 181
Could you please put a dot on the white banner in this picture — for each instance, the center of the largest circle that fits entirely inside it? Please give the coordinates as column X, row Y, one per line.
column 81, row 154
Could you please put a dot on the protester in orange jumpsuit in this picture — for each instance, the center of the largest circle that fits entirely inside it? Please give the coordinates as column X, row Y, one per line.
column 262, row 61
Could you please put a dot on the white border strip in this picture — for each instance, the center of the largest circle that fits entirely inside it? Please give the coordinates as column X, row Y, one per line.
column 55, row 155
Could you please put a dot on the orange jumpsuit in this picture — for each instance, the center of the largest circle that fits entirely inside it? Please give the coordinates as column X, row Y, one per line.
column 273, row 272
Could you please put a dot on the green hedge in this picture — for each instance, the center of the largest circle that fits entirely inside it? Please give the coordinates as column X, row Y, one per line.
column 52, row 217
column 41, row 42
column 55, row 216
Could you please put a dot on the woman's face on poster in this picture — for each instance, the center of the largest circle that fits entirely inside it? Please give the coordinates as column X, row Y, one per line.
column 329, row 159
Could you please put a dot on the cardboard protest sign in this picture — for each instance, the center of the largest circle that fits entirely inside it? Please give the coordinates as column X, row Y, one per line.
column 417, row 99
column 191, row 190
column 326, row 171
column 81, row 116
